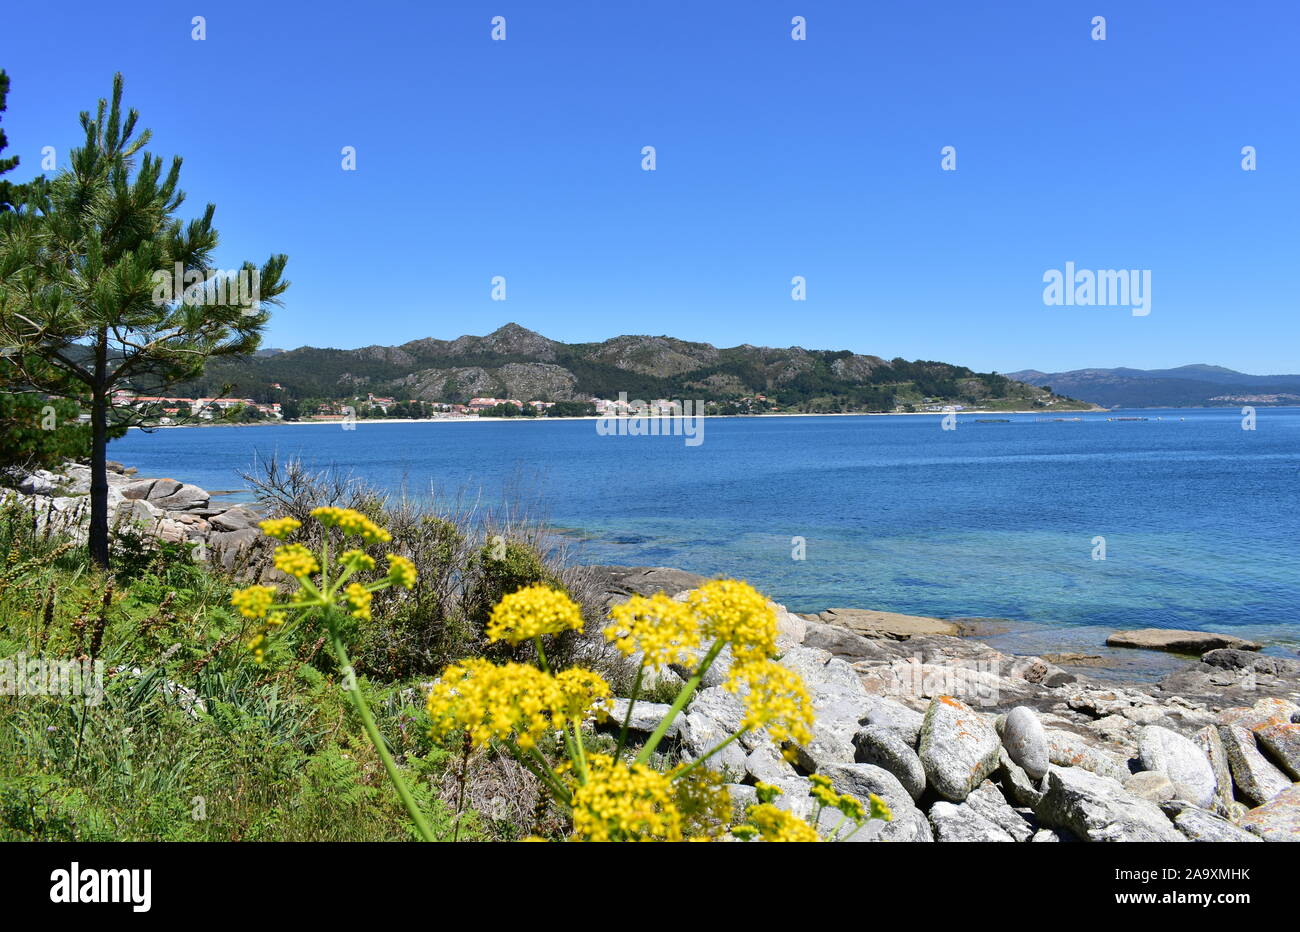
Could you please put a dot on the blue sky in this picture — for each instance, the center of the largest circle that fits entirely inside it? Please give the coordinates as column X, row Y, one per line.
column 775, row 158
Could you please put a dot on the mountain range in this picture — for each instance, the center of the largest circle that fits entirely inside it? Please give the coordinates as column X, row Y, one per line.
column 515, row 362
column 1183, row 387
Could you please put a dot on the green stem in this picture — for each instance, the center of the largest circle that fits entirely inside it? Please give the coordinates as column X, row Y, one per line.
column 368, row 720
column 541, row 654
column 627, row 719
column 679, row 703
column 541, row 772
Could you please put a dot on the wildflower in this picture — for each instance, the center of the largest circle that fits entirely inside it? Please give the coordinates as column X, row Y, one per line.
column 775, row 824
column 358, row 599
column 296, row 560
column 401, row 571
column 663, row 630
column 775, row 698
column 767, row 792
column 513, row 701
column 279, row 528
column 624, row 802
column 357, row 560
column 581, row 691
column 351, row 522
column 533, row 611
column 254, row 601
column 734, row 612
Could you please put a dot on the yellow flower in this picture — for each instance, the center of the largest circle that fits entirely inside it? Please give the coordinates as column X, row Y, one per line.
column 775, row 824
column 624, row 802
column 358, row 599
column 733, row 611
column 514, row 700
column 296, row 560
column 775, row 698
column 401, row 571
column 353, row 522
column 279, row 528
column 532, row 611
column 664, row 631
column 357, row 560
column 253, row 602
column 581, row 691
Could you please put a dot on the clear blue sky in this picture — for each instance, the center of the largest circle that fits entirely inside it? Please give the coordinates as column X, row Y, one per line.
column 775, row 158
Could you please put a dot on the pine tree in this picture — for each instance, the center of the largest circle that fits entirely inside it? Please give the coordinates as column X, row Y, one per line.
column 103, row 288
column 8, row 194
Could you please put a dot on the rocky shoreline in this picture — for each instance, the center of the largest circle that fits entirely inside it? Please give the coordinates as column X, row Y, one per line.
column 964, row 742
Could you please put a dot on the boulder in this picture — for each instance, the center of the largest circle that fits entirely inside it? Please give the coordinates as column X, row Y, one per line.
column 958, row 748
column 1278, row 819
column 1068, row 749
column 1256, row 779
column 839, row 701
column 1179, row 759
column 959, row 822
column 1266, row 711
column 1281, row 741
column 877, row 745
column 861, row 780
column 712, row 716
column 1019, row 787
column 235, row 519
column 898, row 718
column 873, row 624
column 987, row 800
column 1208, row 740
column 36, row 484
column 1025, row 741
column 183, row 498
column 1200, row 825
column 1178, row 642
column 646, row 717
column 1097, row 808
column 1152, row 785
column 141, row 488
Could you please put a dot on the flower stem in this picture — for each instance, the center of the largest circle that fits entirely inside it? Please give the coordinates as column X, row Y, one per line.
column 679, row 703
column 631, row 704
column 368, row 720
column 677, row 775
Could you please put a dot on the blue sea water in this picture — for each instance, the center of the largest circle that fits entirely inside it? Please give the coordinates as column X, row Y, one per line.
column 994, row 520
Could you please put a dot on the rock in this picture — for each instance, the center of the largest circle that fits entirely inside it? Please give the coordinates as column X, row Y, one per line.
column 1052, row 834
column 1228, row 659
column 898, row 718
column 235, row 519
column 646, row 717
column 183, row 498
column 790, row 628
column 1281, row 741
column 712, row 716
column 861, row 780
column 872, row 624
column 1097, row 808
column 839, row 701
column 1067, row 749
column 954, row 822
column 1199, row 825
column 958, row 748
column 742, row 797
column 228, row 545
column 765, row 765
column 1026, row 742
column 1256, row 779
column 616, row 583
column 1266, row 711
column 878, row 745
column 1278, row 819
column 1022, row 790
column 135, row 511
column 839, row 641
column 1208, row 740
column 35, row 484
column 1180, row 760
column 1178, row 642
column 987, row 800
column 1152, row 785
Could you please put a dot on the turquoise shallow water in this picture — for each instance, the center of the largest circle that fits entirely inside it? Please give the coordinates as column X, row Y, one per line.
column 990, row 520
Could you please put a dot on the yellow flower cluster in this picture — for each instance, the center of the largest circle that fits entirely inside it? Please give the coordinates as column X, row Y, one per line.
column 358, row 599
column 401, row 571
column 279, row 528
column 775, row 698
column 253, row 602
column 357, row 560
column 533, row 611
column 733, row 611
column 296, row 560
column 352, row 522
column 624, row 802
column 517, row 700
column 663, row 630
column 773, row 824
